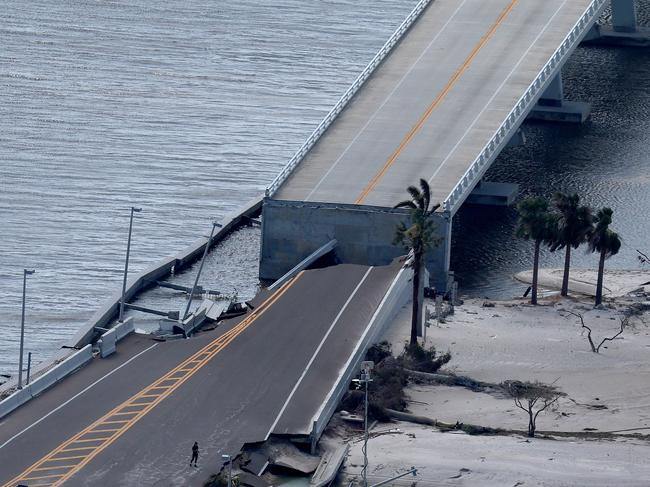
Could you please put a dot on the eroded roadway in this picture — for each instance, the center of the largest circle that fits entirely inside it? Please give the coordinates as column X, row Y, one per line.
column 132, row 418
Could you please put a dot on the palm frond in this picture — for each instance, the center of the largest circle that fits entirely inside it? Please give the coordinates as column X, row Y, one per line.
column 406, row 204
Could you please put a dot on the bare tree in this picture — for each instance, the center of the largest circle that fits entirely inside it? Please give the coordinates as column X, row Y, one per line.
column 532, row 398
column 594, row 348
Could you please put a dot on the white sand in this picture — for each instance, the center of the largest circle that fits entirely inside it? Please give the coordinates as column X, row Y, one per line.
column 583, row 281
column 499, row 461
column 606, row 392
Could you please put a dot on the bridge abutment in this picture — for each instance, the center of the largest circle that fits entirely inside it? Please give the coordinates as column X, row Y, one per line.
column 553, row 107
column 291, row 230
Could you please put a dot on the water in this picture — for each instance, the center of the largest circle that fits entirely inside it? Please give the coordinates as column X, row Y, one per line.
column 185, row 108
column 188, row 110
column 606, row 161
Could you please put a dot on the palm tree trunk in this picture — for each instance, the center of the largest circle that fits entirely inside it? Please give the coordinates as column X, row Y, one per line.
column 533, row 295
column 599, row 282
column 415, row 316
column 567, row 266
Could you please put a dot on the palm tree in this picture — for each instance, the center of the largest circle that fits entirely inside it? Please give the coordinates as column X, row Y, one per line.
column 534, row 224
column 419, row 239
column 573, row 225
column 605, row 241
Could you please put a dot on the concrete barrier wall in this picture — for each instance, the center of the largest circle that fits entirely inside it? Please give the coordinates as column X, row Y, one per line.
column 47, row 380
column 140, row 282
column 291, row 230
column 397, row 296
column 107, row 343
column 124, row 329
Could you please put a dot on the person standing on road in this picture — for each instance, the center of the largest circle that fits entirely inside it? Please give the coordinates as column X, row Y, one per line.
column 195, row 454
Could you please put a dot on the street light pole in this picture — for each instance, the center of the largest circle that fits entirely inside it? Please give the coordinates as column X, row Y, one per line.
column 126, row 263
column 365, row 379
column 22, row 329
column 198, row 274
column 227, row 458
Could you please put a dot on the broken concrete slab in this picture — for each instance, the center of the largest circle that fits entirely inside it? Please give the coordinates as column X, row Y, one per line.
column 251, row 480
column 254, row 462
column 285, row 454
column 333, row 454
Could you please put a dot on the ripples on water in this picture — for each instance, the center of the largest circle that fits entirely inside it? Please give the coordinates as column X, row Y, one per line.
column 185, row 108
column 189, row 109
column 606, row 161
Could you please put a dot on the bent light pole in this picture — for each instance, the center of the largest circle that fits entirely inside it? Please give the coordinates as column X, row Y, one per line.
column 198, row 274
column 22, row 329
column 126, row 263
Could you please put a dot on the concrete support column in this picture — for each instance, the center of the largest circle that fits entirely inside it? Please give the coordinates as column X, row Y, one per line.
column 554, row 94
column 624, row 15
column 438, row 259
column 624, row 31
column 552, row 107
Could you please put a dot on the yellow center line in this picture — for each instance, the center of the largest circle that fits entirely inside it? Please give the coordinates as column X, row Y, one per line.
column 215, row 347
column 436, row 102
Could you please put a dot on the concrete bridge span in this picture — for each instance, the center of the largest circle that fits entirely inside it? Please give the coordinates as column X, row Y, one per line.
column 448, row 92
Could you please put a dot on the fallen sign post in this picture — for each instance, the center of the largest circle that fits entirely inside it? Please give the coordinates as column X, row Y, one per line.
column 413, row 471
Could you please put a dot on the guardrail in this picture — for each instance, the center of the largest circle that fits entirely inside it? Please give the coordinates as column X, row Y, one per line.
column 398, row 293
column 47, row 380
column 345, row 99
column 108, row 341
column 517, row 115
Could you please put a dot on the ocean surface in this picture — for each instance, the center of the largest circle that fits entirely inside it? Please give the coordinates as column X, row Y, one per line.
column 188, row 109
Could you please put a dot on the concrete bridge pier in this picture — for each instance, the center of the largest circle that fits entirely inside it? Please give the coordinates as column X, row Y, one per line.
column 624, row 16
column 624, row 30
column 292, row 230
column 553, row 107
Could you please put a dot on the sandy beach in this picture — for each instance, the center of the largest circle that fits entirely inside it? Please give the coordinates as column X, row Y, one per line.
column 606, row 392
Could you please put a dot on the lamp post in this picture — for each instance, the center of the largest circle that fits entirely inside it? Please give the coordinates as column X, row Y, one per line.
column 22, row 329
column 365, row 379
column 227, row 459
column 198, row 274
column 126, row 263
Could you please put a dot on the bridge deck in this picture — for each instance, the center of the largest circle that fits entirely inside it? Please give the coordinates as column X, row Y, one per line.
column 268, row 371
column 435, row 102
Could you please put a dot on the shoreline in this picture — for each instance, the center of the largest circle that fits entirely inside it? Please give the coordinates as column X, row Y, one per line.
column 598, row 435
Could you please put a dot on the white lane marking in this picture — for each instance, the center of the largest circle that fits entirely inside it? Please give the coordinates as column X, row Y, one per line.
column 390, row 95
column 360, row 341
column 543, row 31
column 320, row 345
column 76, row 396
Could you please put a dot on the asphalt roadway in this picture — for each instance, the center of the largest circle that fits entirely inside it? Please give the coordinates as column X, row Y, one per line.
column 131, row 419
column 433, row 104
